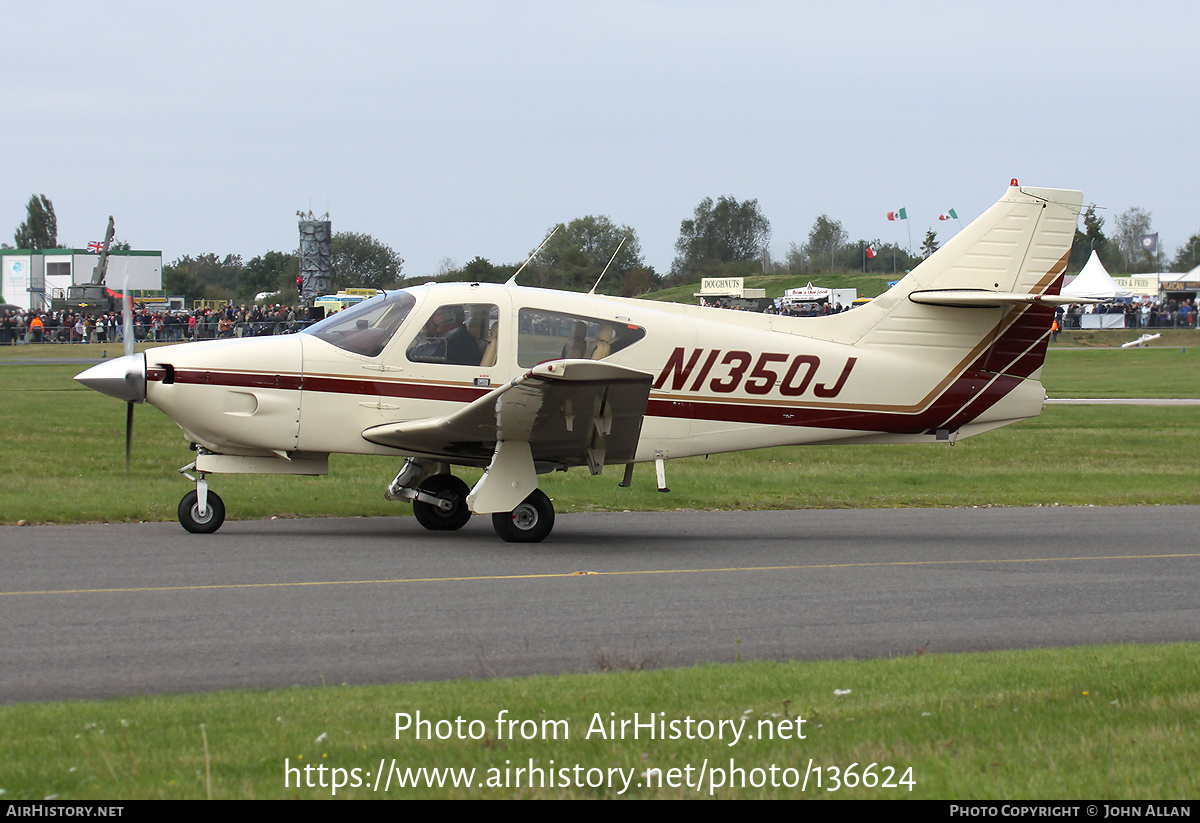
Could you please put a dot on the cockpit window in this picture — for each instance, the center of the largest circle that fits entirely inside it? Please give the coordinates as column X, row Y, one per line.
column 366, row 328
column 460, row 334
column 550, row 335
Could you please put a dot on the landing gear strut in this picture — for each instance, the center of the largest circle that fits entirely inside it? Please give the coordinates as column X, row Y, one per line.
column 439, row 498
column 440, row 503
column 530, row 522
column 200, row 511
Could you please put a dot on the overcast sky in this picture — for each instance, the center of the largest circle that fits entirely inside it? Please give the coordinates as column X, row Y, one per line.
column 456, row 129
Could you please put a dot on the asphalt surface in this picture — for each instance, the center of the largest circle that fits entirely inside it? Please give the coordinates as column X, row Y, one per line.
column 98, row 611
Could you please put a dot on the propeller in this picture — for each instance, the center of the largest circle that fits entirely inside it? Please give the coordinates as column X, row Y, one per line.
column 127, row 336
column 122, row 377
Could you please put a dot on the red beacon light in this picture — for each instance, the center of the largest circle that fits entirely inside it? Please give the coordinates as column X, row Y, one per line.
column 1013, row 182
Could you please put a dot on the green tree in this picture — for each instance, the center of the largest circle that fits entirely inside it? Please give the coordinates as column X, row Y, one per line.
column 40, row 229
column 638, row 280
column 931, row 244
column 578, row 251
column 1132, row 225
column 1092, row 237
column 205, row 276
column 723, row 232
column 892, row 258
column 480, row 270
column 824, row 239
column 361, row 261
column 270, row 272
column 1186, row 256
column 796, row 261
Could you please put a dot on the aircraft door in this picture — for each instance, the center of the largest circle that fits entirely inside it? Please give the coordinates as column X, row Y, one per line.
column 352, row 377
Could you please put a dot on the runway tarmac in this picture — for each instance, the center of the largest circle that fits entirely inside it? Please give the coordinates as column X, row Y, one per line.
column 98, row 611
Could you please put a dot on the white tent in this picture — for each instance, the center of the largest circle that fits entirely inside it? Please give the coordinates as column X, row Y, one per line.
column 1192, row 276
column 1094, row 282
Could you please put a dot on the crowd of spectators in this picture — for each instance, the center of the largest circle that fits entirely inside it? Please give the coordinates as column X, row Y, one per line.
column 68, row 326
column 806, row 309
column 36, row 326
column 1146, row 314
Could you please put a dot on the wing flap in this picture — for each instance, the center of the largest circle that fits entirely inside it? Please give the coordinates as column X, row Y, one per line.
column 571, row 412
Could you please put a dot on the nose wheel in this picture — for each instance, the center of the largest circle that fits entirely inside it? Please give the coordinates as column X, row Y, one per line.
column 201, row 522
column 530, row 522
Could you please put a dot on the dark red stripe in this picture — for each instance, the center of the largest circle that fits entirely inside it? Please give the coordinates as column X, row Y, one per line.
column 387, row 388
column 328, row 385
column 1022, row 346
column 238, row 379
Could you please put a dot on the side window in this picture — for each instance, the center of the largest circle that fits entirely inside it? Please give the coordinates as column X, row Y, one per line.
column 548, row 335
column 460, row 334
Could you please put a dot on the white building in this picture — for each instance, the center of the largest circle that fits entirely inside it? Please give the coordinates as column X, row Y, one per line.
column 31, row 278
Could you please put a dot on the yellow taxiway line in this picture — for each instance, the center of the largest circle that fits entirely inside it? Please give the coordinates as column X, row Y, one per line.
column 799, row 567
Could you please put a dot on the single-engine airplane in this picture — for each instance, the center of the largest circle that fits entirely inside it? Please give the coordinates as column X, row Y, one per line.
column 520, row 381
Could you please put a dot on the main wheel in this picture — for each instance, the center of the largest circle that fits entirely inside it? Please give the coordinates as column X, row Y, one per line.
column 447, row 487
column 529, row 522
column 189, row 513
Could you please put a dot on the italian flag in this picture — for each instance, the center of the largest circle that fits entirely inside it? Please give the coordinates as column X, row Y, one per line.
column 950, row 215
column 898, row 214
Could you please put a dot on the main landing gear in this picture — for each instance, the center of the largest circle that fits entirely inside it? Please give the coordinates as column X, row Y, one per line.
column 450, row 511
column 529, row 522
column 440, row 503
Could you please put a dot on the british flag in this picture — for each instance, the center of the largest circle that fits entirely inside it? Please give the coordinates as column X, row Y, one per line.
column 95, row 246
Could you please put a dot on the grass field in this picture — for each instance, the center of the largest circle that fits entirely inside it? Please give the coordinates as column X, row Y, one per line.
column 63, row 460
column 1092, row 723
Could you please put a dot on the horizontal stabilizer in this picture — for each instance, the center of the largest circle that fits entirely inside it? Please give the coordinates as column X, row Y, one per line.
column 984, row 299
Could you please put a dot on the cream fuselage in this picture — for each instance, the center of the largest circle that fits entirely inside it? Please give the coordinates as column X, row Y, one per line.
column 723, row 380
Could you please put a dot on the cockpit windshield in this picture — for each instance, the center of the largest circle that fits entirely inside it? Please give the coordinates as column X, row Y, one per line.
column 366, row 328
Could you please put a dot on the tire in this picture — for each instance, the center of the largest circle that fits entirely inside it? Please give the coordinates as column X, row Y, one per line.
column 445, row 486
column 530, row 522
column 189, row 514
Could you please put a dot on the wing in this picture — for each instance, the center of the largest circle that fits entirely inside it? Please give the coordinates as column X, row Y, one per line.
column 559, row 414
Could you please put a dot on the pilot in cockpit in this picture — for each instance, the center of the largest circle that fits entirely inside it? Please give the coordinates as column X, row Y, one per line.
column 446, row 340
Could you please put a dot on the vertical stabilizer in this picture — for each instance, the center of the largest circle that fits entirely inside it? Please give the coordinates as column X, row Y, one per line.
column 1019, row 246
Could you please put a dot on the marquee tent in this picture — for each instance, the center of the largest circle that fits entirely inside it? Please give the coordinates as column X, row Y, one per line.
column 1094, row 282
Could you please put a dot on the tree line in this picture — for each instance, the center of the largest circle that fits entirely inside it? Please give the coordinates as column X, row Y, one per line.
column 1133, row 248
column 725, row 237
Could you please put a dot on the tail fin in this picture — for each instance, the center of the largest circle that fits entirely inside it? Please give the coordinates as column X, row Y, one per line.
column 991, row 287
column 978, row 311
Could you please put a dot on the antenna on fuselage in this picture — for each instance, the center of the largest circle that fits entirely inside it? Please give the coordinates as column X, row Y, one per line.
column 610, row 262
column 512, row 281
